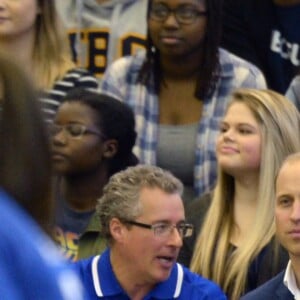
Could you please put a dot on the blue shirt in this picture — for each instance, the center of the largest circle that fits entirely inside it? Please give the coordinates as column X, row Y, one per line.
column 100, row 282
column 30, row 267
column 120, row 80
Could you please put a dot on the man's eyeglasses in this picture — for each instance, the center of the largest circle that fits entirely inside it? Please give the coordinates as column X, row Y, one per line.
column 184, row 14
column 74, row 131
column 165, row 229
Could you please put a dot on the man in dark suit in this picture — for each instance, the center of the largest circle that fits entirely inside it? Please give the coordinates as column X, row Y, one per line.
column 286, row 285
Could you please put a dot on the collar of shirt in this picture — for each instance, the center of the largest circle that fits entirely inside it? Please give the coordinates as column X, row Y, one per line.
column 289, row 281
column 106, row 284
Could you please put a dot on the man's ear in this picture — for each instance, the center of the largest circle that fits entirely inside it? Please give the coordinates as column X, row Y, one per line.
column 117, row 229
column 110, row 148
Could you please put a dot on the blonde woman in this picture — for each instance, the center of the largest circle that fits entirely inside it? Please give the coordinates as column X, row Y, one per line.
column 31, row 34
column 235, row 247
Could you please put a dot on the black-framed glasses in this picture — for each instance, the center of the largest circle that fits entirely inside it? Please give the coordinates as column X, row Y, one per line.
column 74, row 130
column 164, row 229
column 184, row 14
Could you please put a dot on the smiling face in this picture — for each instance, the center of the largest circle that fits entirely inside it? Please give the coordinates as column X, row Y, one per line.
column 17, row 17
column 173, row 38
column 239, row 141
column 72, row 155
column 287, row 208
column 149, row 258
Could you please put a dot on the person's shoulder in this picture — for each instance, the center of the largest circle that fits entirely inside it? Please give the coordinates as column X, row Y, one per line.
column 295, row 82
column 267, row 290
column 293, row 91
column 197, row 209
column 244, row 72
column 197, row 287
column 124, row 70
column 84, row 269
column 203, row 202
column 228, row 58
column 83, row 265
column 134, row 61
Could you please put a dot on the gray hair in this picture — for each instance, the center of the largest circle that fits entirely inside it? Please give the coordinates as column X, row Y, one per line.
column 121, row 195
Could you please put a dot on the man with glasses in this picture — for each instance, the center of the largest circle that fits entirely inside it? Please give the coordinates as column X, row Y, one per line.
column 142, row 217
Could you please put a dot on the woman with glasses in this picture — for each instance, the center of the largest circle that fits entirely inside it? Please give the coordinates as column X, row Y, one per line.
column 31, row 34
column 179, row 88
column 92, row 138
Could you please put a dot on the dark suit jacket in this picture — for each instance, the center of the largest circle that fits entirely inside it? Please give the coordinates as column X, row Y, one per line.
column 273, row 289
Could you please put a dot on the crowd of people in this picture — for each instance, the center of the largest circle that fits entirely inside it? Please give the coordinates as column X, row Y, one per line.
column 150, row 149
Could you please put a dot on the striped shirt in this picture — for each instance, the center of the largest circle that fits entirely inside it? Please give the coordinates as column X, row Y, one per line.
column 74, row 78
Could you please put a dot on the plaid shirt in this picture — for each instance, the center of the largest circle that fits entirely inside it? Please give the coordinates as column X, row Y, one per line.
column 120, row 81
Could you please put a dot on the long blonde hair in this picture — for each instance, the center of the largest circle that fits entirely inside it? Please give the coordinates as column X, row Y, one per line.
column 51, row 54
column 279, row 123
